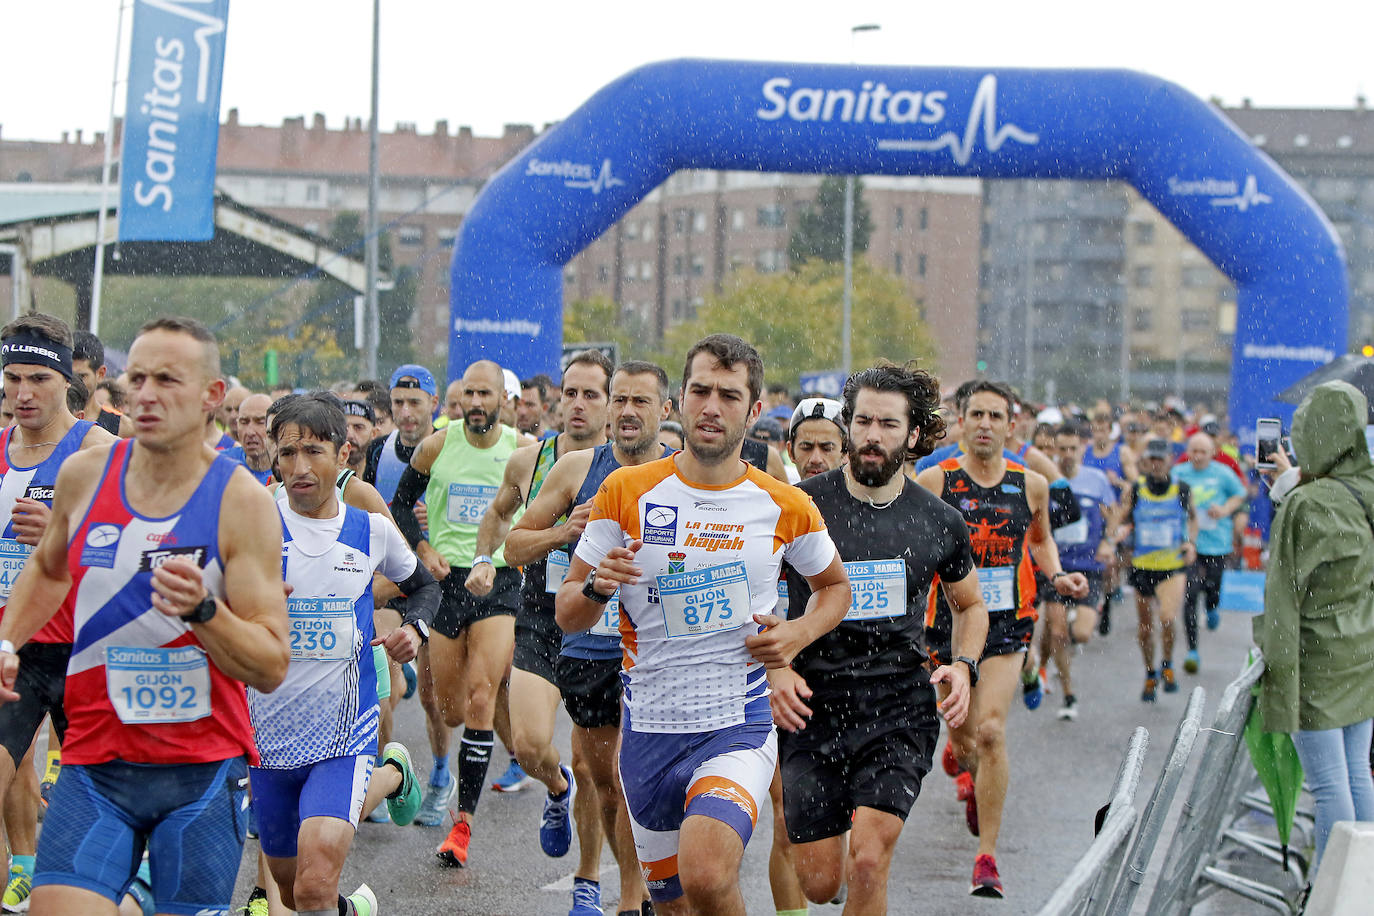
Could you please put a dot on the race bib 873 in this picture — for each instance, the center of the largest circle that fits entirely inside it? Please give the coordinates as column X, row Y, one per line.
column 705, row 600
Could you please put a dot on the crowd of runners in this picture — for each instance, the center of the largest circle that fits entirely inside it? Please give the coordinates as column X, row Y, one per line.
column 218, row 597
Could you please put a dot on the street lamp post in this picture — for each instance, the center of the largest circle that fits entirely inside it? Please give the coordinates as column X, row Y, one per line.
column 847, row 329
column 373, row 328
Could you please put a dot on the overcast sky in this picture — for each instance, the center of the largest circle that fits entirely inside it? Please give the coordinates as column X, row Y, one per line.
column 485, row 64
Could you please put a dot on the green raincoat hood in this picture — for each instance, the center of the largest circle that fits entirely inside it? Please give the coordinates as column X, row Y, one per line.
column 1328, row 432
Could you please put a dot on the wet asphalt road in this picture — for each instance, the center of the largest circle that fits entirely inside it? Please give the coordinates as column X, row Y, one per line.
column 1061, row 774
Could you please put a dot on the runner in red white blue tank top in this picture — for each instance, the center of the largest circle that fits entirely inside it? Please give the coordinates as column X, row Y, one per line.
column 45, row 434
column 177, row 607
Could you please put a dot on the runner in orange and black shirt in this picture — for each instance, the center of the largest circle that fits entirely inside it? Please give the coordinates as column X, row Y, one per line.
column 1006, row 508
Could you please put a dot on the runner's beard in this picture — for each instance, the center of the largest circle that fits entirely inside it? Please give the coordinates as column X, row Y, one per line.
column 640, row 444
column 869, row 476
column 487, row 422
column 725, row 446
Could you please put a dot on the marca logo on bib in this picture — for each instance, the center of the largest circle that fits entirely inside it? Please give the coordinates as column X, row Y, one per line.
column 660, row 524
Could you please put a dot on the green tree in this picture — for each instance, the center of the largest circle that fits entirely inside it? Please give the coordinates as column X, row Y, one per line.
column 600, row 319
column 820, row 231
column 395, row 307
column 331, row 302
column 307, row 355
column 794, row 320
column 249, row 316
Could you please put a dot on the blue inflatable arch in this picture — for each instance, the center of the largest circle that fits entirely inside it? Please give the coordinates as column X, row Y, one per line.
column 1228, row 198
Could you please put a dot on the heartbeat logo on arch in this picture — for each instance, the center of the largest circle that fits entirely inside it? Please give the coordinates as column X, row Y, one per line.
column 660, row 524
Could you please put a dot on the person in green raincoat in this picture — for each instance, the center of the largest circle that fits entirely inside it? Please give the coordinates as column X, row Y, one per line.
column 1317, row 630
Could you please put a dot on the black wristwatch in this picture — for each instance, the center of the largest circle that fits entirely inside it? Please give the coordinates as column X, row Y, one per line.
column 203, row 612
column 972, row 669
column 589, row 590
column 421, row 628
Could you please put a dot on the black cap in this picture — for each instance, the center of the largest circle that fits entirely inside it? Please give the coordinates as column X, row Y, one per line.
column 1158, row 448
column 769, row 430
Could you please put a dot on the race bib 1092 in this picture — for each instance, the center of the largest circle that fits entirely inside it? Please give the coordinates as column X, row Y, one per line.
column 157, row 685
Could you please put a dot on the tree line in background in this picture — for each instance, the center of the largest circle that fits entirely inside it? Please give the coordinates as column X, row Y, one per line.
column 793, row 317
column 309, row 325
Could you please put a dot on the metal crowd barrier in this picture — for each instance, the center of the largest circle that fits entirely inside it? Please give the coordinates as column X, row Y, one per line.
column 1095, row 874
column 1191, row 868
column 1157, row 809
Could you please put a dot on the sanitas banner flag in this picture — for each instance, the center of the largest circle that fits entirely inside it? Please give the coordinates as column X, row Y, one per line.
column 171, row 121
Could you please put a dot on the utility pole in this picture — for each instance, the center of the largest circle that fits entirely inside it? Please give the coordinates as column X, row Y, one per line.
column 373, row 192
column 847, row 305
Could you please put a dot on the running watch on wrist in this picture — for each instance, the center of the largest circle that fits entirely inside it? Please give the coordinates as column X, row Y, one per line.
column 589, row 590
column 479, row 560
column 420, row 628
column 203, row 612
column 972, row 669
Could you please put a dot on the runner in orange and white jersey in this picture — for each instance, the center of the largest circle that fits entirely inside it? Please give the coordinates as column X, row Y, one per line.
column 695, row 543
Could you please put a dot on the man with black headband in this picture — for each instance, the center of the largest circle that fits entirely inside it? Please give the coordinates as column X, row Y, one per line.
column 459, row 469
column 36, row 352
column 361, row 424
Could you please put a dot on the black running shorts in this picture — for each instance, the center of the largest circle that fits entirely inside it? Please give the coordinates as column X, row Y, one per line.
column 537, row 641
column 1007, row 633
column 41, row 684
column 1146, row 581
column 591, row 689
column 855, row 751
column 460, row 608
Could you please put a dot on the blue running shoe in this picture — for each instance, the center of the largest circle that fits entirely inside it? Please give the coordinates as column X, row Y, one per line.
column 513, row 780
column 555, row 827
column 1031, row 691
column 412, row 680
column 1192, row 661
column 1213, row 619
column 434, row 804
column 586, row 898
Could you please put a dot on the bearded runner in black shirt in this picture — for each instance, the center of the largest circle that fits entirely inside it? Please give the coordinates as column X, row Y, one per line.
column 857, row 708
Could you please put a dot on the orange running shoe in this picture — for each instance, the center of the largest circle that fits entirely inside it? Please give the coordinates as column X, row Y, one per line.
column 950, row 762
column 963, row 786
column 986, row 882
column 453, row 852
